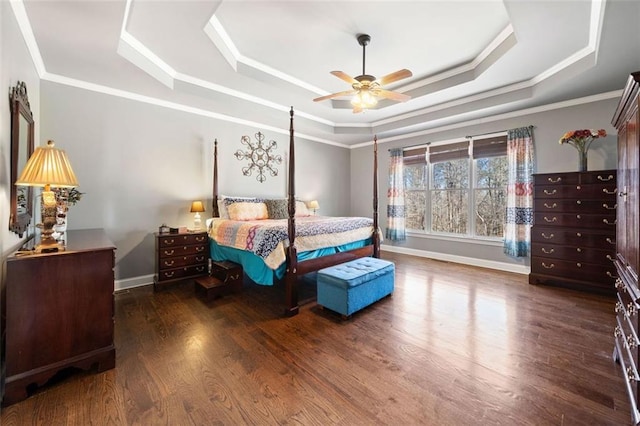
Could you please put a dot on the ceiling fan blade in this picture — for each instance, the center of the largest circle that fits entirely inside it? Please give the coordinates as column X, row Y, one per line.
column 335, row 95
column 395, row 96
column 394, row 76
column 344, row 76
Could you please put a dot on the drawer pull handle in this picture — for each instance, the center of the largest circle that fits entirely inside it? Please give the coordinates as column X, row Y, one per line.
column 547, row 237
column 544, row 265
column 609, row 223
column 620, row 285
column 169, row 274
column 199, row 258
column 610, row 258
column 631, row 341
column 551, row 220
column 579, row 202
column 631, row 309
column 167, row 263
column 578, row 217
column 579, row 265
column 610, row 274
column 578, row 234
column 619, row 307
column 617, row 332
column 200, row 239
column 169, row 252
column 606, row 206
column 169, row 242
column 552, row 180
column 547, row 192
column 606, row 191
column 607, row 179
column 200, row 268
column 610, row 241
column 630, row 374
column 544, row 250
column 199, row 249
column 552, row 206
column 579, row 250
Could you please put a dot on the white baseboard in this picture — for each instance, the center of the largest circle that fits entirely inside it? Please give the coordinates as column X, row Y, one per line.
column 491, row 264
column 133, row 282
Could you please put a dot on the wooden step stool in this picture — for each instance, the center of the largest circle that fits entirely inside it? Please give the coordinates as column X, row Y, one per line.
column 226, row 277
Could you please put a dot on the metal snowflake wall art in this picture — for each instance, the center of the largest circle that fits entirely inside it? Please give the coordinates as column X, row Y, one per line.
column 260, row 157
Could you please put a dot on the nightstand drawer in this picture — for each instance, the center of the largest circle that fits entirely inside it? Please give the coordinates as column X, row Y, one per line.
column 176, row 261
column 177, row 273
column 173, row 240
column 182, row 250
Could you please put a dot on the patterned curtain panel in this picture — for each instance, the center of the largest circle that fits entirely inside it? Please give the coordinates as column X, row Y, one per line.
column 395, row 199
column 519, row 217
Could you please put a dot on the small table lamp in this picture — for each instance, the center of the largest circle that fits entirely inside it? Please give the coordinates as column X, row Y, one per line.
column 313, row 205
column 197, row 207
column 48, row 167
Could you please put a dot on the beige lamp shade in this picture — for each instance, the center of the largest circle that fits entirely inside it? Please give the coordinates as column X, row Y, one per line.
column 197, row 207
column 314, row 205
column 48, row 166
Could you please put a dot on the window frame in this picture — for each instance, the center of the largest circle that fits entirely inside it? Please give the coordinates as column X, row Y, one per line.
column 488, row 147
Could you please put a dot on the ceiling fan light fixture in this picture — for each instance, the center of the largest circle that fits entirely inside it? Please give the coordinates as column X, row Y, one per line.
column 364, row 99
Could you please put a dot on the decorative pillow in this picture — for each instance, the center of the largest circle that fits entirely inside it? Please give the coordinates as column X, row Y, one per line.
column 301, row 209
column 247, row 211
column 222, row 210
column 277, row 209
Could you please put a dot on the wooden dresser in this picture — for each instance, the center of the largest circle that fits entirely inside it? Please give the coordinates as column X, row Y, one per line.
column 574, row 233
column 59, row 312
column 626, row 332
column 181, row 256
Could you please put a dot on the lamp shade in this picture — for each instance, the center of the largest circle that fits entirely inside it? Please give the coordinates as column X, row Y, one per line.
column 48, row 166
column 314, row 205
column 197, row 207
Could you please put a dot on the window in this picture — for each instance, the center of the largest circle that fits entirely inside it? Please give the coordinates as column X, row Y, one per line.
column 457, row 189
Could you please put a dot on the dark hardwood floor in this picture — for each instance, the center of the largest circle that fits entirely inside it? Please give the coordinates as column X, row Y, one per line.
column 454, row 345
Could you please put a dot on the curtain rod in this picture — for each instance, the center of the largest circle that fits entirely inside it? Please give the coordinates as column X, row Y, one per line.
column 467, row 137
column 497, row 131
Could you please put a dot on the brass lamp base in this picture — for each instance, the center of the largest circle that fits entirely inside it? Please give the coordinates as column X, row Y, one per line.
column 48, row 244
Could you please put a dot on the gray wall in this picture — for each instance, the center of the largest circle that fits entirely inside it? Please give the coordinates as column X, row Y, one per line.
column 141, row 165
column 550, row 157
column 15, row 65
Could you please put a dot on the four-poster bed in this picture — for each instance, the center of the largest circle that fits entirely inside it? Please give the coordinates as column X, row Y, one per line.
column 351, row 237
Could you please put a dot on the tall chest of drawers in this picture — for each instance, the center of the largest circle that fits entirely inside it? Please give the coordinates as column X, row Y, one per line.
column 180, row 256
column 573, row 239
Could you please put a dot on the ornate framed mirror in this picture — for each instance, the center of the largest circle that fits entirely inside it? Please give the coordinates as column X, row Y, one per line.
column 22, row 145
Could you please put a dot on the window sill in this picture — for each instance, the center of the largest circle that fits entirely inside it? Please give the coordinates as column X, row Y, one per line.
column 465, row 240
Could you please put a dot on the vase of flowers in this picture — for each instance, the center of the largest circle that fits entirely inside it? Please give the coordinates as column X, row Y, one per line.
column 581, row 140
column 65, row 197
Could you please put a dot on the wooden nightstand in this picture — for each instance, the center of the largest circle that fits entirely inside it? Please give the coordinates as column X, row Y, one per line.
column 180, row 256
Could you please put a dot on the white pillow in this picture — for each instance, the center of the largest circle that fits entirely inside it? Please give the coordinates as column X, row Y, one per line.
column 301, row 209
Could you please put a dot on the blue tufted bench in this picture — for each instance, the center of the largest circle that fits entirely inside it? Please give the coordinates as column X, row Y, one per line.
column 351, row 286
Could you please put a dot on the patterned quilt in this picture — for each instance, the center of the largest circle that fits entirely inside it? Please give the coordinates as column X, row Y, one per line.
column 268, row 238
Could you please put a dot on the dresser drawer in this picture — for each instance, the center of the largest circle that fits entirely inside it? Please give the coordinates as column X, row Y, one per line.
column 176, row 261
column 604, row 191
column 173, row 240
column 556, row 179
column 601, row 275
column 576, row 220
column 182, row 250
column 579, row 254
column 576, row 205
column 574, row 237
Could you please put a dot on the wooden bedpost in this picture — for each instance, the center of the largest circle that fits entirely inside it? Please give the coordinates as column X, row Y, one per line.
column 376, row 235
column 291, row 279
column 214, row 203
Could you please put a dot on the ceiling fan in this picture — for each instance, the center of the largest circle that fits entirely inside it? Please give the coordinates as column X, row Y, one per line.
column 366, row 88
